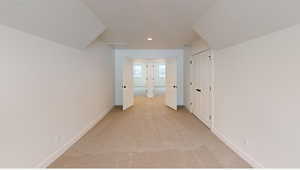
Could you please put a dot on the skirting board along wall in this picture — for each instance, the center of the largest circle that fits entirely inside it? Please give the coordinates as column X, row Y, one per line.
column 236, row 149
column 48, row 161
column 49, row 93
column 257, row 97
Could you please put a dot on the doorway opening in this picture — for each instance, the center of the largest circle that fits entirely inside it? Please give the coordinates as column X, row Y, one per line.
column 149, row 78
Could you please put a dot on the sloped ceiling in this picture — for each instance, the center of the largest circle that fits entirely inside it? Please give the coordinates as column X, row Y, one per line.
column 230, row 22
column 168, row 22
column 69, row 22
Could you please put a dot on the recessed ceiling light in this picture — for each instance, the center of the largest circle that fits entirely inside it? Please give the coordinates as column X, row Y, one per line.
column 149, row 39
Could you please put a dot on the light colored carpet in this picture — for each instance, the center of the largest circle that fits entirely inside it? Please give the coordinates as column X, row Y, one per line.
column 149, row 135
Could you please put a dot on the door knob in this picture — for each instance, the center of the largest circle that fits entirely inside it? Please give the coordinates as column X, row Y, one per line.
column 174, row 87
column 124, row 87
column 199, row 90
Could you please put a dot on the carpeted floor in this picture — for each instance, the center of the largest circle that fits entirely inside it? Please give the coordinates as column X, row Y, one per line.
column 149, row 135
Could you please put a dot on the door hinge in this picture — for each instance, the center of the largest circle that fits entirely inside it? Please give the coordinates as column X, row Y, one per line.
column 191, row 83
column 209, row 57
column 210, row 117
column 210, row 88
column 191, row 62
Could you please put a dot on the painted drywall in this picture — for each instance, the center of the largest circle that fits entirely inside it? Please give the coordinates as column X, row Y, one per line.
column 199, row 46
column 49, row 94
column 257, row 98
column 231, row 22
column 146, row 54
column 69, row 22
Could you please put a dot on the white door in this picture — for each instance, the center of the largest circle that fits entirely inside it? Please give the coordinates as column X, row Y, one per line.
column 128, row 94
column 171, row 83
column 202, row 87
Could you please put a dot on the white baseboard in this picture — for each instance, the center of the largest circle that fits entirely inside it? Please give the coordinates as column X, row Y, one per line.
column 203, row 121
column 66, row 146
column 237, row 150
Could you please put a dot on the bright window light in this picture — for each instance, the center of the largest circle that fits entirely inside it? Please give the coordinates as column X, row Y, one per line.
column 137, row 71
column 162, row 71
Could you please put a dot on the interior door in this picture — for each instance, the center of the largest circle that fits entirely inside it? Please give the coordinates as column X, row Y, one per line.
column 202, row 87
column 205, row 83
column 171, row 83
column 128, row 93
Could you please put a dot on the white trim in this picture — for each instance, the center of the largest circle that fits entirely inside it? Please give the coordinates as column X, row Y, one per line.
column 50, row 159
column 254, row 163
column 203, row 51
column 203, row 121
column 212, row 92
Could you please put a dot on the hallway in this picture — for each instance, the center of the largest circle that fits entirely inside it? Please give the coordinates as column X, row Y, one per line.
column 149, row 135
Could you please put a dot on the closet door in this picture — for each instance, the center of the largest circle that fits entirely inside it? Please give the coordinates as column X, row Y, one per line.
column 202, row 87
column 205, row 82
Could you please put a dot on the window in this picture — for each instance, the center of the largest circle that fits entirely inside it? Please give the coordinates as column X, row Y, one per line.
column 137, row 71
column 162, row 71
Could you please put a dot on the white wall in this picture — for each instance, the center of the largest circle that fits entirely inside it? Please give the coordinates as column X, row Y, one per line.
column 257, row 98
column 198, row 46
column 146, row 54
column 49, row 94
